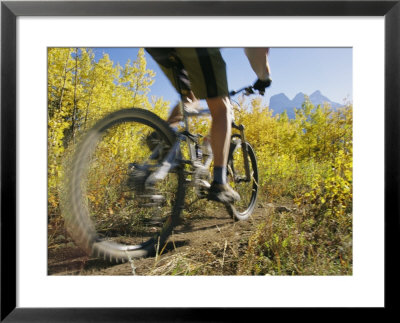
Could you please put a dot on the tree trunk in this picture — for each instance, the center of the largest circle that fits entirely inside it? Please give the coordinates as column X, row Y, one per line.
column 64, row 81
column 74, row 113
column 90, row 99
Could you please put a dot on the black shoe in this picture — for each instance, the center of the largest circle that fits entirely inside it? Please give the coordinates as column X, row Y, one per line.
column 222, row 193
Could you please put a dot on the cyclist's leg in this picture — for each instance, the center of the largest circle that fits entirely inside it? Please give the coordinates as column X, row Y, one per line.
column 203, row 71
column 220, row 142
column 220, row 129
column 207, row 73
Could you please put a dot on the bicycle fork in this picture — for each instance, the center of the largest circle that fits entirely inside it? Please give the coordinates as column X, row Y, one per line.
column 244, row 149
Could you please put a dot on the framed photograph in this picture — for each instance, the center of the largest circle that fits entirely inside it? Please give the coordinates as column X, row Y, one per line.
column 43, row 38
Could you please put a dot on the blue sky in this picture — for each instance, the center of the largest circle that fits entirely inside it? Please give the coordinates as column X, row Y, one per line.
column 293, row 70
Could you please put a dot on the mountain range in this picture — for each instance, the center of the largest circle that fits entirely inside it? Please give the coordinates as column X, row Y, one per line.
column 280, row 102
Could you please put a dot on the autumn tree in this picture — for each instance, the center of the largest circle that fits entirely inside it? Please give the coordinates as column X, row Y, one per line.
column 81, row 90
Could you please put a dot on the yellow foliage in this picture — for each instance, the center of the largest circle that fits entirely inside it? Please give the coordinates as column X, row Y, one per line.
column 309, row 157
column 82, row 90
column 291, row 152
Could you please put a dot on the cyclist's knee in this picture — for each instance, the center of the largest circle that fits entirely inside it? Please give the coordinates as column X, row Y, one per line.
column 219, row 106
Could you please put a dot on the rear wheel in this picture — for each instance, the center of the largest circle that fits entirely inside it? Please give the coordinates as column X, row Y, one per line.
column 110, row 212
column 246, row 187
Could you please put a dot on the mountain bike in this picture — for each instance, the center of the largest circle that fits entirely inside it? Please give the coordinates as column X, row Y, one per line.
column 129, row 175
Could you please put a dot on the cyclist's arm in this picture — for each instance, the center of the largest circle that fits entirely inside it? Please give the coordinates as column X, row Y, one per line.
column 258, row 58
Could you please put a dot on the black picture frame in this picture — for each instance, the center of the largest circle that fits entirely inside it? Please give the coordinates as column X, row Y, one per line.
column 10, row 10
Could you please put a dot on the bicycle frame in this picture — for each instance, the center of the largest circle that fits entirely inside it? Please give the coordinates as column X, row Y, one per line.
column 171, row 161
column 158, row 205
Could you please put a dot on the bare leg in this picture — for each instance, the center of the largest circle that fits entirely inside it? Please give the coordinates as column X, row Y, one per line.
column 220, row 129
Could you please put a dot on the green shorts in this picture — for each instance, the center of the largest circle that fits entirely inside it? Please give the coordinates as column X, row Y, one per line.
column 201, row 70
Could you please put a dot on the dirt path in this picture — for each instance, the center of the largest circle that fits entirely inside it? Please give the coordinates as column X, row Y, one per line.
column 205, row 245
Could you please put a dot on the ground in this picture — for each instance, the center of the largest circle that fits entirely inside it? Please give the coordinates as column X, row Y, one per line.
column 210, row 243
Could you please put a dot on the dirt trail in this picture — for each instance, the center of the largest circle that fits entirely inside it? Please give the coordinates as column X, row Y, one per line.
column 206, row 245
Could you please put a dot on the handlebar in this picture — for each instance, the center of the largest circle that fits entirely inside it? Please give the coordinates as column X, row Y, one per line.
column 247, row 89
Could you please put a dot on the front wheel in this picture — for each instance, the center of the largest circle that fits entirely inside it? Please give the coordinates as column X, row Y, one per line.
column 109, row 212
column 246, row 186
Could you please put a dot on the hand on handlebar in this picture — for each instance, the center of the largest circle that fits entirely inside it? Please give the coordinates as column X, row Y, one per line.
column 261, row 85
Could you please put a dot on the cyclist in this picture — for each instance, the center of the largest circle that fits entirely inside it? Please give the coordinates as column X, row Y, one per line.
column 202, row 75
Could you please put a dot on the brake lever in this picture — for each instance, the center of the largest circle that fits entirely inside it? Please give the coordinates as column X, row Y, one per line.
column 249, row 90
